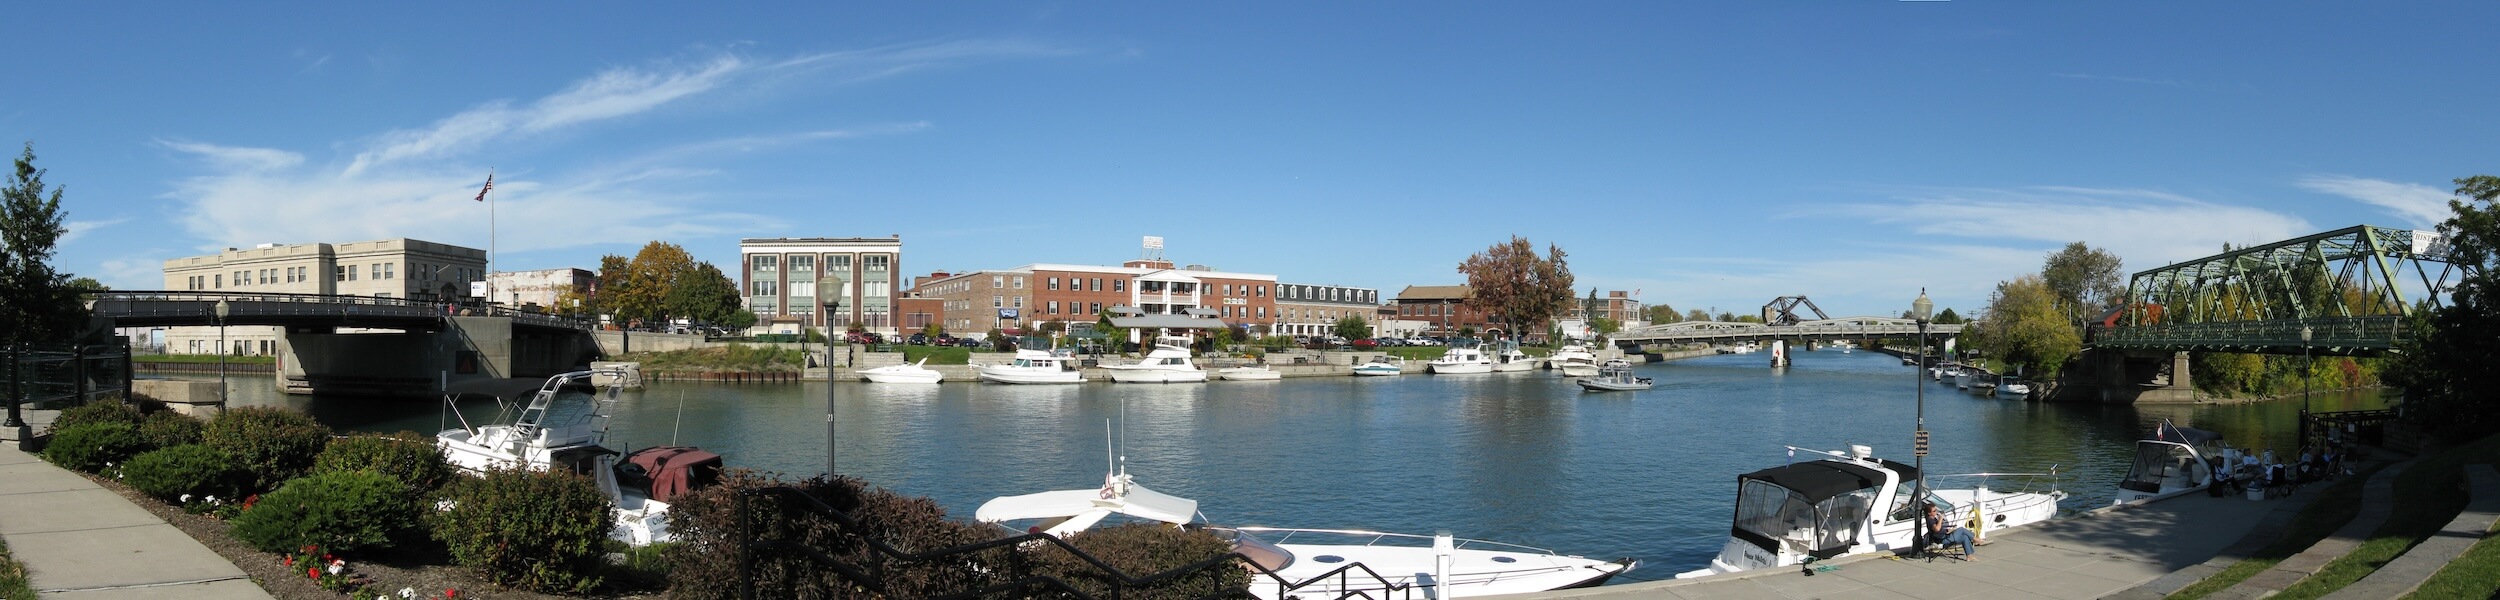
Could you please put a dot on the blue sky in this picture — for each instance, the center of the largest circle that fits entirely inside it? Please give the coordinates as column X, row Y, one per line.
column 1707, row 154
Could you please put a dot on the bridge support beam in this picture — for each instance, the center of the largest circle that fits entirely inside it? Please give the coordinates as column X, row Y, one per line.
column 2110, row 376
column 416, row 364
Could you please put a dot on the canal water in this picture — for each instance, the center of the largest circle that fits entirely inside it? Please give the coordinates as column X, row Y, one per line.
column 1523, row 458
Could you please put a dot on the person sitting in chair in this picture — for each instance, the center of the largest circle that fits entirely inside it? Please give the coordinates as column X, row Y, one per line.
column 1942, row 532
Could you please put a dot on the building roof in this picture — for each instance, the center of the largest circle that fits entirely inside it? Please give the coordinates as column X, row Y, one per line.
column 1141, row 271
column 1435, row 292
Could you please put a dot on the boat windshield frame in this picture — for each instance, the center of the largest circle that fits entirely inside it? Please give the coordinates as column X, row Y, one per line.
column 2145, row 470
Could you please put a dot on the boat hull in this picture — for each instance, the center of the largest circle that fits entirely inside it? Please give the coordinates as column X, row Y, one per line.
column 1250, row 374
column 1461, row 368
column 1378, row 371
column 1125, row 375
column 1029, row 377
column 1612, row 386
column 1514, row 366
column 1578, row 370
column 881, row 375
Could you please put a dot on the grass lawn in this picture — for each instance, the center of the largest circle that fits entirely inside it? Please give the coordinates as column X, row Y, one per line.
column 13, row 582
column 2334, row 506
column 937, row 355
column 2428, row 495
column 204, row 359
column 2475, row 574
column 730, row 358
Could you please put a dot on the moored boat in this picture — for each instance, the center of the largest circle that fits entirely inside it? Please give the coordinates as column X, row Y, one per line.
column 1461, row 360
column 1249, row 373
column 1034, row 367
column 1616, row 376
column 552, row 430
column 1510, row 360
column 1168, row 362
column 1850, row 503
column 2014, row 389
column 1573, row 360
column 917, row 372
column 2173, row 460
column 1381, row 367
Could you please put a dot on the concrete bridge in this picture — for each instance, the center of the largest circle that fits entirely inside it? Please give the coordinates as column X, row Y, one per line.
column 1844, row 328
column 356, row 345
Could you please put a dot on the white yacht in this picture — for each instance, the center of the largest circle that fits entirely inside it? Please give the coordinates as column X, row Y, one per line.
column 1460, row 360
column 1510, row 360
column 1842, row 504
column 1249, row 373
column 1616, row 376
column 1317, row 563
column 2014, row 389
column 1381, row 367
column 1034, row 367
column 1573, row 360
column 2174, row 460
column 561, row 424
column 1168, row 362
column 917, row 372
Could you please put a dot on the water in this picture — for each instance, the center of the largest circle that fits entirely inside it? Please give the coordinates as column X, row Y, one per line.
column 1522, row 458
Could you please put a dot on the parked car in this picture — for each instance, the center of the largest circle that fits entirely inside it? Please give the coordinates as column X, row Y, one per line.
column 918, row 339
column 968, row 342
column 864, row 337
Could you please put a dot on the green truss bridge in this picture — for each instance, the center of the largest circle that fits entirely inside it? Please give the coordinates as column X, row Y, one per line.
column 2352, row 288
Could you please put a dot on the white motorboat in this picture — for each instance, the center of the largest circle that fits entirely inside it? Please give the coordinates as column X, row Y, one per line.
column 1381, row 367
column 1249, row 373
column 1616, row 376
column 1168, row 362
column 1842, row 504
column 1961, row 379
column 1317, row 563
column 1460, row 360
column 2174, row 460
column 917, row 372
column 2014, row 389
column 1510, row 360
column 1573, row 360
column 1034, row 367
column 560, row 424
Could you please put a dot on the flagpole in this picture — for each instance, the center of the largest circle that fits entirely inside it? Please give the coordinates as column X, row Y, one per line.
column 489, row 275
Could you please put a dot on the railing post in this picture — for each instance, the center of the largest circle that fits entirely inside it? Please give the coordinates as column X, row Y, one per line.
column 129, row 364
column 15, row 420
column 78, row 371
column 746, row 549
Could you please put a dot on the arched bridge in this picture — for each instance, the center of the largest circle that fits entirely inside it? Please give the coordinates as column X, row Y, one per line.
column 2352, row 288
column 1820, row 329
column 196, row 308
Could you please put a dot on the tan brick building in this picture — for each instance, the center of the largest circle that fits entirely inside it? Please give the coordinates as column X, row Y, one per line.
column 394, row 268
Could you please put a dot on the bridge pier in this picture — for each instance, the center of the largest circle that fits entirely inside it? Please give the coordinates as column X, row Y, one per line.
column 2112, row 376
column 417, row 364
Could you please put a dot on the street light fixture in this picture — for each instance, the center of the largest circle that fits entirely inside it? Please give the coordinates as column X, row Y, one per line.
column 2305, row 364
column 1920, row 310
column 828, row 293
column 222, row 311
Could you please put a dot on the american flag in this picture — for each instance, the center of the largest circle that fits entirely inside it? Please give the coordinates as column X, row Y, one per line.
column 490, row 186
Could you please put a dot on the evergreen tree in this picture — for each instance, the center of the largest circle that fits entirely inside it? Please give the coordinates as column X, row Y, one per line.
column 37, row 304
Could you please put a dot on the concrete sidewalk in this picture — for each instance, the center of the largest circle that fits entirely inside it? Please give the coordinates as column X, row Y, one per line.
column 2089, row 556
column 79, row 540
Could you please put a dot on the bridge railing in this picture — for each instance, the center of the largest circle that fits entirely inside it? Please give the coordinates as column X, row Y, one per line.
column 1784, row 331
column 194, row 303
column 2328, row 335
column 61, row 376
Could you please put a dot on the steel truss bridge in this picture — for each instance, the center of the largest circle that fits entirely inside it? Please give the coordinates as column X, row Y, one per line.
column 190, row 308
column 2352, row 288
column 1820, row 329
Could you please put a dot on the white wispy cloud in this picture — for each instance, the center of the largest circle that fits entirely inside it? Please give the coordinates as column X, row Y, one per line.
column 2145, row 227
column 2419, row 205
column 234, row 158
column 72, row 230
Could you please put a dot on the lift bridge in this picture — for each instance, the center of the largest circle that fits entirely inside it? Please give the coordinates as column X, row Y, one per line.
column 2351, row 288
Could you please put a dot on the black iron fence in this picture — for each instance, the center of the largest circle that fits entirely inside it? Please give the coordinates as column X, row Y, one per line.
column 42, row 377
column 1354, row 580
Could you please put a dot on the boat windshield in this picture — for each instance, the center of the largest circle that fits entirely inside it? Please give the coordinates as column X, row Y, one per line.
column 2154, row 461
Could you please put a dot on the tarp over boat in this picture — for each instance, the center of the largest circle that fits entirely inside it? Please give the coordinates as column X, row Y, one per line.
column 1073, row 510
column 675, row 470
column 1817, row 480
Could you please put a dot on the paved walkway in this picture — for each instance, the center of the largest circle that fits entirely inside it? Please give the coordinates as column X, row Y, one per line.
column 2399, row 577
column 2096, row 554
column 2378, row 501
column 79, row 541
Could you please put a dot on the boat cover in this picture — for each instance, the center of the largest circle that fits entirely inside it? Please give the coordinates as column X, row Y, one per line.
column 675, row 470
column 1815, row 481
column 1138, row 502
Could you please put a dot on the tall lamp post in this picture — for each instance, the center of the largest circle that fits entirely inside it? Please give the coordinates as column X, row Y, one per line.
column 2305, row 414
column 828, row 292
column 222, row 311
column 1920, row 309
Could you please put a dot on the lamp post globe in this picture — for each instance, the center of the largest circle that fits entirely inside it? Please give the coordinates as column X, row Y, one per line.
column 1920, row 310
column 828, row 294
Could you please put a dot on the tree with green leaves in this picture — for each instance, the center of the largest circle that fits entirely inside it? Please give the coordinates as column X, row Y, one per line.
column 1605, row 326
column 643, row 292
column 1659, row 314
column 1518, row 288
column 1696, row 315
column 2085, row 280
column 2026, row 327
column 87, row 285
column 2451, row 364
column 1948, row 317
column 704, row 294
column 1353, row 328
column 37, row 304
column 612, row 274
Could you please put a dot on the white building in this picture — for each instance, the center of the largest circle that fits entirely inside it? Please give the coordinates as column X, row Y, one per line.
column 777, row 278
column 394, row 268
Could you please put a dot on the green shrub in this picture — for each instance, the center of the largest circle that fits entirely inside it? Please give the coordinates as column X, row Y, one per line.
column 167, row 429
column 537, row 530
column 704, row 563
column 273, row 444
column 411, row 458
column 1139, row 550
column 190, row 469
column 101, row 411
column 344, row 512
column 91, row 446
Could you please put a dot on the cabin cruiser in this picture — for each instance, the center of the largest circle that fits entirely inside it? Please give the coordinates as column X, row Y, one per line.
column 1573, row 360
column 1168, row 362
column 1249, row 373
column 1460, row 360
column 1616, row 376
column 1383, row 366
column 2174, row 460
column 1316, row 563
column 1843, row 504
column 1510, row 360
column 1034, row 367
column 2014, row 389
column 918, row 372
column 561, row 424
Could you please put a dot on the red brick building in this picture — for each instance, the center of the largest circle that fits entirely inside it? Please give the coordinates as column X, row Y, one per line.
column 1444, row 307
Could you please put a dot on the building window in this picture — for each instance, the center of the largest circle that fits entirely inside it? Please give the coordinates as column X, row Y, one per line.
column 765, row 263
column 876, row 263
column 998, row 302
column 1262, row 292
column 803, row 264
column 1053, row 284
column 219, row 280
column 1094, row 308
column 1117, row 285
column 998, row 281
column 1019, row 302
column 768, row 288
column 1051, row 308
column 1019, row 283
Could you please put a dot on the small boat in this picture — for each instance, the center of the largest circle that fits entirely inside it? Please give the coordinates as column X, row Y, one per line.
column 917, row 372
column 1616, row 376
column 2014, row 389
column 1381, row 367
column 1034, row 367
column 553, row 430
column 1168, row 362
column 1511, row 360
column 1249, row 373
column 1317, row 563
column 1961, row 379
column 2172, row 461
column 1845, row 504
column 1573, row 360
column 1461, row 360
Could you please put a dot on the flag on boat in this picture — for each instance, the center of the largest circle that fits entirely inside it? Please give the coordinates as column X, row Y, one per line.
column 490, row 186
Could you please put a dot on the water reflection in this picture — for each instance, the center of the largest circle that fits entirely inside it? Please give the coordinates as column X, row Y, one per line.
column 1517, row 457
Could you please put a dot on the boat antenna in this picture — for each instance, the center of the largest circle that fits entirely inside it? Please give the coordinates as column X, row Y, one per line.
column 1124, row 437
column 681, row 418
column 1109, row 465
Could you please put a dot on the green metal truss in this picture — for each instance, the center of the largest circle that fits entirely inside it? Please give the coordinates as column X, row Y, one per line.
column 2350, row 287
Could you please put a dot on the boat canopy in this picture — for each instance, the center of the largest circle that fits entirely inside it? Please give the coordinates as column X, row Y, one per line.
column 675, row 470
column 1818, row 480
column 1089, row 506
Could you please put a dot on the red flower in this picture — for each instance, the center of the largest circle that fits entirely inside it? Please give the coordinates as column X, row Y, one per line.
column 313, row 573
column 289, row 560
column 451, row 594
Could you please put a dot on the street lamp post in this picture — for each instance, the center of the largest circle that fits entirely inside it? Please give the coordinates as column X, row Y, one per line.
column 827, row 293
column 222, row 311
column 1920, row 309
column 2305, row 414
